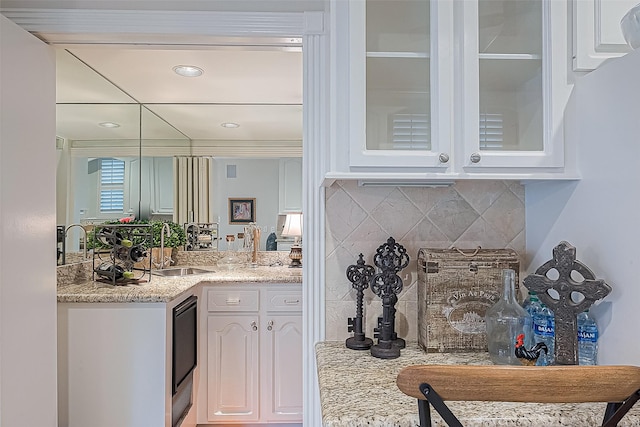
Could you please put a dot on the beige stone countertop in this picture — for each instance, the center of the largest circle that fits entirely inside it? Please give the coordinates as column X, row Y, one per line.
column 165, row 289
column 357, row 389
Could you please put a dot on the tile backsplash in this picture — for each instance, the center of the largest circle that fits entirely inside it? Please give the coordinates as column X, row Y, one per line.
column 358, row 219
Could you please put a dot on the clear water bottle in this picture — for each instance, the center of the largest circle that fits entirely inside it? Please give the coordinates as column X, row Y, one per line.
column 505, row 320
column 527, row 301
column 532, row 305
column 544, row 331
column 587, row 339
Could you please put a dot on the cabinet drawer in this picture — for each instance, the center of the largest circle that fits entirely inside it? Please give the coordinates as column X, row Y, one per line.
column 232, row 300
column 285, row 300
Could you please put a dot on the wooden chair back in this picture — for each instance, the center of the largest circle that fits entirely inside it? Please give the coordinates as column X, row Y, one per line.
column 616, row 385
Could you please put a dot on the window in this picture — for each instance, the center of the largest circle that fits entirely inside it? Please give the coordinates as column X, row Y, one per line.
column 491, row 131
column 411, row 131
column 111, row 185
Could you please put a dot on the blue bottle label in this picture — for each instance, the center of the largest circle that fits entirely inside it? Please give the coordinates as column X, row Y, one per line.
column 588, row 336
column 544, row 330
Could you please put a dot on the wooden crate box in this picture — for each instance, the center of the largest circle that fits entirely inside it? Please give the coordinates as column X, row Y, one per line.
column 455, row 289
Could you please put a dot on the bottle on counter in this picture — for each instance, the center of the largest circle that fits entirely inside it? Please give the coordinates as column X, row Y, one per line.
column 532, row 305
column 527, row 301
column 505, row 320
column 112, row 237
column 231, row 259
column 134, row 253
column 587, row 339
column 544, row 331
column 112, row 272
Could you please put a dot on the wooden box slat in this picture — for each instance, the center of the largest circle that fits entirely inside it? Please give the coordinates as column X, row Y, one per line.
column 455, row 289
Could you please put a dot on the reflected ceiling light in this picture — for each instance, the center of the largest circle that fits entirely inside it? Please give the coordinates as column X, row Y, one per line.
column 109, row 125
column 230, row 125
column 188, row 70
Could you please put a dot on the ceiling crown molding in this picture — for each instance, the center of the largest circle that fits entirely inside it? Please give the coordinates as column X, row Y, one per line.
column 148, row 22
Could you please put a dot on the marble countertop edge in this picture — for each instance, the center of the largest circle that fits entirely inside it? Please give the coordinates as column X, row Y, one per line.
column 165, row 289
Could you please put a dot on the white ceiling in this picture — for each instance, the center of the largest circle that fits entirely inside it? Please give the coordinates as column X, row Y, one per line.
column 260, row 88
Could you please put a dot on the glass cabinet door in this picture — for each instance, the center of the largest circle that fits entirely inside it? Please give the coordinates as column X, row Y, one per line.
column 506, row 83
column 395, row 42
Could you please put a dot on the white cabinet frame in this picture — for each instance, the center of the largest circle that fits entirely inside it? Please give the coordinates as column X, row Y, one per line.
column 596, row 34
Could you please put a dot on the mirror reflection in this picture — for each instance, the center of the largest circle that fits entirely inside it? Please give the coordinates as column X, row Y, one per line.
column 122, row 130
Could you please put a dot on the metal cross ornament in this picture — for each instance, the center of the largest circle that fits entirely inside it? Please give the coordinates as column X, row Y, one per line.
column 564, row 307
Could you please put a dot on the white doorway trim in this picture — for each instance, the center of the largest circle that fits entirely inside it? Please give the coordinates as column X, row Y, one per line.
column 75, row 26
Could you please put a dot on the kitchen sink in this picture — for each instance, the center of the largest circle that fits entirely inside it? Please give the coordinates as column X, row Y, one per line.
column 179, row 272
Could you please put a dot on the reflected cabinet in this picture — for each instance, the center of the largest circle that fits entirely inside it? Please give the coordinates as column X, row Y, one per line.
column 252, row 357
column 456, row 87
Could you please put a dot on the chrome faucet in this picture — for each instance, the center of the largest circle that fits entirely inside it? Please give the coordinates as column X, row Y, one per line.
column 164, row 226
column 85, row 237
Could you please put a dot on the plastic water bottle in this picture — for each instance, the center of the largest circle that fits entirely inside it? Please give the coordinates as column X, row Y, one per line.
column 544, row 331
column 587, row 339
column 532, row 305
column 527, row 301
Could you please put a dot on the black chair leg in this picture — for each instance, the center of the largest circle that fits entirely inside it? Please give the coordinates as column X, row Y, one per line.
column 615, row 411
column 424, row 413
column 438, row 404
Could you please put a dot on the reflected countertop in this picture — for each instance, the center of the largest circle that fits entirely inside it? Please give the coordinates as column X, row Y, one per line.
column 165, row 289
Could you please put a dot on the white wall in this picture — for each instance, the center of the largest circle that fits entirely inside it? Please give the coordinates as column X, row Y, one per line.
column 254, row 178
column 599, row 214
column 27, row 236
column 62, row 181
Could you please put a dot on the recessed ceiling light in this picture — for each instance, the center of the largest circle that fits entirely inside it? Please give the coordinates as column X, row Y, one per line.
column 230, row 125
column 188, row 70
column 109, row 125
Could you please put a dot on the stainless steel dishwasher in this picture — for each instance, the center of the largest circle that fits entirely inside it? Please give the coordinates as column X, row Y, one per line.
column 184, row 359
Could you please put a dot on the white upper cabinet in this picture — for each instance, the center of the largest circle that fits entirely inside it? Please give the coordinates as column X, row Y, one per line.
column 455, row 89
column 290, row 185
column 508, row 117
column 597, row 35
column 399, row 100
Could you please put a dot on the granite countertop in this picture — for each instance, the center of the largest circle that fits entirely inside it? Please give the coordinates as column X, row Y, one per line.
column 357, row 390
column 165, row 289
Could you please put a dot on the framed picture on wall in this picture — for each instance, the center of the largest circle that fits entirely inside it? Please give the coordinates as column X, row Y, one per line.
column 242, row 211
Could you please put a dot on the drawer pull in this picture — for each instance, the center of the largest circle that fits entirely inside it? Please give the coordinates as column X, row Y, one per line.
column 291, row 301
column 233, row 301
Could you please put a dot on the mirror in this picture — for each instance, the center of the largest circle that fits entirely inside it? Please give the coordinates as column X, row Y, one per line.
column 139, row 152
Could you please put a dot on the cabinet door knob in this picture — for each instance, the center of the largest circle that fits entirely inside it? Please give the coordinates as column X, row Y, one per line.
column 270, row 325
column 475, row 158
column 443, row 157
column 254, row 326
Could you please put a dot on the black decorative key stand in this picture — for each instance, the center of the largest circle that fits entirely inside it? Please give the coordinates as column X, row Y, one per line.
column 564, row 308
column 390, row 258
column 359, row 275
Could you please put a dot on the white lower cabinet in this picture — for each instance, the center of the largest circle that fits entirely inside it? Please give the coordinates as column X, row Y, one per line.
column 232, row 383
column 281, row 355
column 115, row 365
column 253, row 353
